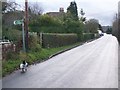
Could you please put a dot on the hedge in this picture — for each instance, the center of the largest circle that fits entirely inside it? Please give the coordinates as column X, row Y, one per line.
column 88, row 36
column 50, row 40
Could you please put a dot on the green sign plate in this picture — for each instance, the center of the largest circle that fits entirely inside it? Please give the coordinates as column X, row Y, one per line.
column 18, row 22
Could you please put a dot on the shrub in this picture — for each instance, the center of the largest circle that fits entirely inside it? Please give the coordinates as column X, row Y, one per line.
column 11, row 34
column 12, row 55
column 34, row 43
column 23, row 56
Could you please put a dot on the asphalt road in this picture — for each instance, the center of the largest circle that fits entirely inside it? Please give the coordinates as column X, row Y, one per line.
column 92, row 65
column 0, row 52
column 0, row 66
column 119, row 67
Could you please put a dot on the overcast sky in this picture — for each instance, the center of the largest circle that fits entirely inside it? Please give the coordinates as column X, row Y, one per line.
column 103, row 10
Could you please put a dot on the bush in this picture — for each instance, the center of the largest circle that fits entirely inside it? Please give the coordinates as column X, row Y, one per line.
column 34, row 43
column 12, row 55
column 26, row 56
column 11, row 34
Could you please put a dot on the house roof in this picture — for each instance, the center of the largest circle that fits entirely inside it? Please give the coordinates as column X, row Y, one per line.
column 55, row 14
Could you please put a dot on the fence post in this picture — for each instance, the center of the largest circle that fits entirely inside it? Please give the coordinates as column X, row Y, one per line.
column 41, row 39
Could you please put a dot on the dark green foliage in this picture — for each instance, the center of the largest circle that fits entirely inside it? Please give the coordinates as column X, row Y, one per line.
column 57, row 40
column 73, row 10
column 100, row 28
column 11, row 34
column 17, row 27
column 109, row 31
column 47, row 24
column 73, row 26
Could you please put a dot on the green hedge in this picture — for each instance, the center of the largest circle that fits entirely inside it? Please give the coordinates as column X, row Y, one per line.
column 88, row 36
column 57, row 40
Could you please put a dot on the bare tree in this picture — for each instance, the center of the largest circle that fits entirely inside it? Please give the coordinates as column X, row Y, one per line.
column 9, row 6
column 35, row 10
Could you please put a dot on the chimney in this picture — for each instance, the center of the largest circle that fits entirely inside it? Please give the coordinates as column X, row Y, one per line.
column 61, row 9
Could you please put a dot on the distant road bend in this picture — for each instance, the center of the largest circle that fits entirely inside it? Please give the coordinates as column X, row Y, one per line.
column 92, row 65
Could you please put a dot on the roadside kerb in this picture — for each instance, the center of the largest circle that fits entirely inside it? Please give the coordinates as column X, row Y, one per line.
column 70, row 48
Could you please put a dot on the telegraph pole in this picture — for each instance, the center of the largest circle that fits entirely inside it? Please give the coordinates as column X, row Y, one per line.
column 26, row 24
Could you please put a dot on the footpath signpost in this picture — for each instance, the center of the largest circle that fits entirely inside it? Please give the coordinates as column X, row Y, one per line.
column 21, row 22
column 18, row 22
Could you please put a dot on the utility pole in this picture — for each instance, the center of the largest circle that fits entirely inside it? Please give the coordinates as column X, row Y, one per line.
column 23, row 34
column 26, row 24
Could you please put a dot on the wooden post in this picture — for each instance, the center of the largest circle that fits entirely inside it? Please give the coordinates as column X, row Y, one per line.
column 26, row 24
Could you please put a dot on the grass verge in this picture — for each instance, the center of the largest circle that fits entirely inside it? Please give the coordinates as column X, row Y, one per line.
column 32, row 57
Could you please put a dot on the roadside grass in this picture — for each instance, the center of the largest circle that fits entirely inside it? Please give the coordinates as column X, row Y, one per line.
column 32, row 57
column 9, row 66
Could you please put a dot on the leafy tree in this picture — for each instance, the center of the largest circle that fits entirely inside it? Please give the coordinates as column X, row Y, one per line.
column 46, row 23
column 49, row 24
column 72, row 26
column 73, row 10
column 67, row 16
column 91, row 26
